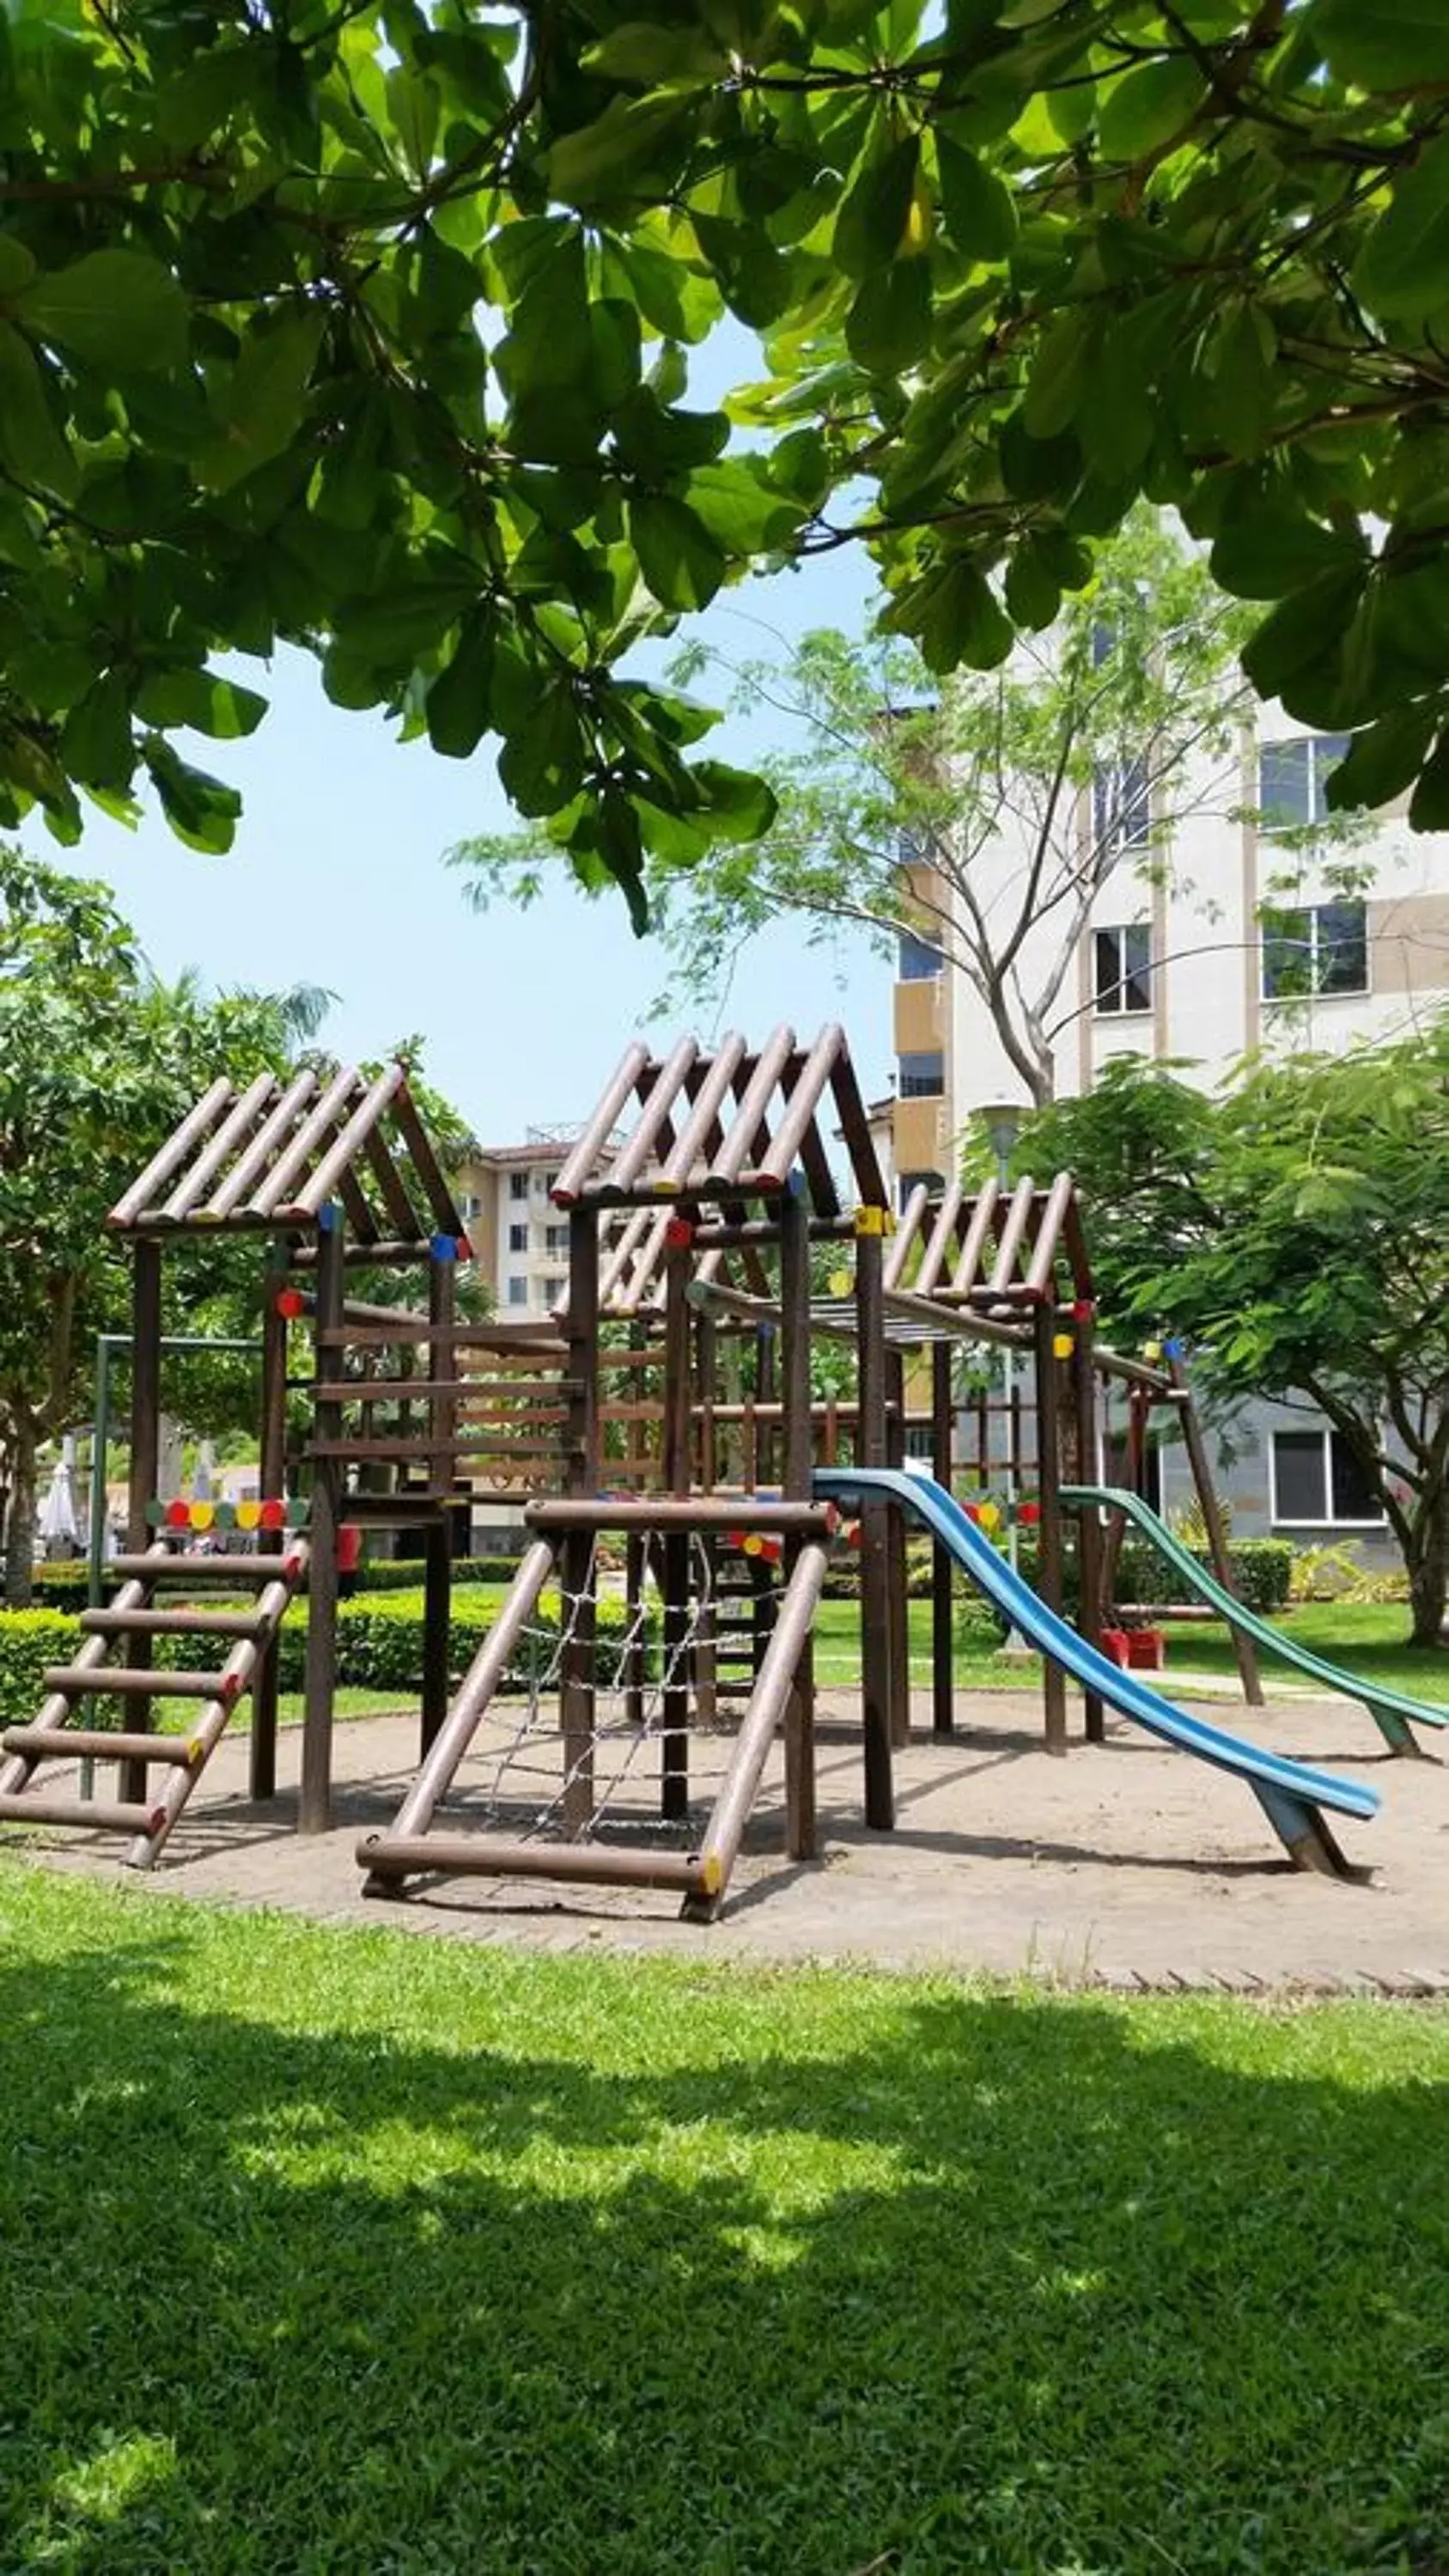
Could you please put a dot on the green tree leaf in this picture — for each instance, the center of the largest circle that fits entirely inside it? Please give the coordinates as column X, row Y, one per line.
column 680, row 560
column 542, row 762
column 1403, row 267
column 1380, row 49
column 115, row 307
column 1382, row 761
column 977, row 209
column 459, row 699
column 875, row 211
column 1146, row 108
column 263, row 403
column 888, row 326
column 1061, row 374
column 199, row 699
column 32, row 446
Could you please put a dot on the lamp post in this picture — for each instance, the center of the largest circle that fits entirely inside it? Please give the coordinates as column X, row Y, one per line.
column 1000, row 1121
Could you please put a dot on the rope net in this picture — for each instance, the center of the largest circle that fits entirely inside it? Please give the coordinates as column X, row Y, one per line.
column 671, row 1672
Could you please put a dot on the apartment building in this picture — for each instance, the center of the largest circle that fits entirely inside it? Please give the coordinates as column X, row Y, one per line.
column 520, row 1240
column 1247, row 939
column 1252, row 937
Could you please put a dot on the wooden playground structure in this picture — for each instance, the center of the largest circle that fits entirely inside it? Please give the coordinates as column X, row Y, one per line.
column 662, row 1433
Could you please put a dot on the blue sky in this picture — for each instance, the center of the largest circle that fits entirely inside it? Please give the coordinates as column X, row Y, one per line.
column 336, row 878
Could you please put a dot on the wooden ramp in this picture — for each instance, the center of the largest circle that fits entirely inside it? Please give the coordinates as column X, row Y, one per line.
column 412, row 1847
column 125, row 1623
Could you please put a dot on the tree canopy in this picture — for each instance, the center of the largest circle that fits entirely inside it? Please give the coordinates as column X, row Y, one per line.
column 99, row 1061
column 364, row 326
column 1292, row 1230
column 982, row 813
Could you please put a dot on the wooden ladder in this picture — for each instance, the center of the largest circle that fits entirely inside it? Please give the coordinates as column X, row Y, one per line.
column 55, row 1737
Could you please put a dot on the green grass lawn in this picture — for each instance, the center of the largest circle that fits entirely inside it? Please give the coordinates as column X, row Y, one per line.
column 178, row 1717
column 1366, row 1638
column 331, row 2254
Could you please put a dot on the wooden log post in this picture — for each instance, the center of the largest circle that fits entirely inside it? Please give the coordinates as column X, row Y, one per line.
column 271, row 1479
column 706, row 1653
column 314, row 1813
column 576, row 1561
column 870, row 1447
column 800, row 1820
column 675, row 1551
column 438, row 1541
column 1213, row 1524
column 145, row 1464
column 1134, row 1477
column 897, row 1573
column 1049, row 1532
column 943, row 1696
column 1089, row 1526
column 636, row 1558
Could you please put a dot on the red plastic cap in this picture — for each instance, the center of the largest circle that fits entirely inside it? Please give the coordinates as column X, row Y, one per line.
column 273, row 1515
column 1083, row 1309
column 291, row 1303
column 678, row 1234
column 464, row 1248
column 178, row 1514
column 1028, row 1514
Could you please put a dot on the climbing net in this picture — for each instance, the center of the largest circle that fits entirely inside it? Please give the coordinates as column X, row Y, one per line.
column 670, row 1675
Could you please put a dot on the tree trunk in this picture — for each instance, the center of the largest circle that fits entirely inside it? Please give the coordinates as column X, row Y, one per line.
column 1427, row 1558
column 20, row 1523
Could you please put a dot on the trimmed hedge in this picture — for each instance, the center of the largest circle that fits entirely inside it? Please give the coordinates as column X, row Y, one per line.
column 29, row 1640
column 65, row 1585
column 1262, row 1573
column 404, row 1573
column 379, row 1646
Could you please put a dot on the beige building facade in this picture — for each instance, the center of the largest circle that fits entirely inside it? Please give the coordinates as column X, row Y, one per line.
column 1243, row 940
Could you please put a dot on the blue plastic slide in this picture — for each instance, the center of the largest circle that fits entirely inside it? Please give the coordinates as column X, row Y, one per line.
column 1291, row 1794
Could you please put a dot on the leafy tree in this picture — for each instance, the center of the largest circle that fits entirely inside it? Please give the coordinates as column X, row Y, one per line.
column 360, row 323
column 1293, row 1230
column 98, row 1062
column 984, row 814
column 1081, row 254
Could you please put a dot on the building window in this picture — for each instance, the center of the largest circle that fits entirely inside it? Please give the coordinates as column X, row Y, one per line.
column 518, row 1292
column 556, row 1240
column 518, row 1238
column 1317, row 1484
column 555, row 1292
column 923, row 1077
column 1123, row 969
column 1121, row 807
column 1293, row 780
column 469, row 1205
column 518, row 1185
column 918, row 960
column 547, row 1182
column 1314, row 948
column 935, row 1183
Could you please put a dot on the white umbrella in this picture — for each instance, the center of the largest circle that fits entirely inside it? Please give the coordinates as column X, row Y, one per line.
column 57, row 1526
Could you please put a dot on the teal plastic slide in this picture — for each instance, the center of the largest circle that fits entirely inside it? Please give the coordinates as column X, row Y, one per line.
column 1292, row 1794
column 1393, row 1714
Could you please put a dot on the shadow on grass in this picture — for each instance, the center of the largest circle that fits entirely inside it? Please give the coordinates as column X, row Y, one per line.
column 334, row 2253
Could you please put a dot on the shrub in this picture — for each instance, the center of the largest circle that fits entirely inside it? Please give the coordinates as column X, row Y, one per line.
column 63, row 1585
column 405, row 1573
column 29, row 1640
column 379, row 1646
column 1262, row 1572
